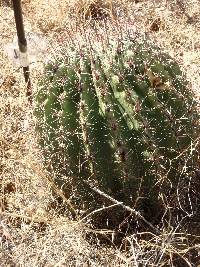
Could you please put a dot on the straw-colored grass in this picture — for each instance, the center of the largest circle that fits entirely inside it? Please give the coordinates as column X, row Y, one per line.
column 35, row 229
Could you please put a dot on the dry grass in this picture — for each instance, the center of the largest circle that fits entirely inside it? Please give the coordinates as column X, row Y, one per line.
column 33, row 232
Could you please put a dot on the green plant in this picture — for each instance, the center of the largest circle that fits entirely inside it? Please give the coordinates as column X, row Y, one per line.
column 120, row 115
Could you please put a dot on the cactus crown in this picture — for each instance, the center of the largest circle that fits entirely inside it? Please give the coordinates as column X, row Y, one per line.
column 119, row 114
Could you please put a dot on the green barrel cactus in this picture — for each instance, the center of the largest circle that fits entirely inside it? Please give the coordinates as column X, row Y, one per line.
column 121, row 117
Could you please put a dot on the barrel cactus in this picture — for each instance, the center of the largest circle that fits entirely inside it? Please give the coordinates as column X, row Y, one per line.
column 120, row 116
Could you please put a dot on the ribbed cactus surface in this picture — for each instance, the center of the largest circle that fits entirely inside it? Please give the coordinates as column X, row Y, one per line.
column 120, row 116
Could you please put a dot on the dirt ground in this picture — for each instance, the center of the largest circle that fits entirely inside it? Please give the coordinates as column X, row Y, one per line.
column 33, row 231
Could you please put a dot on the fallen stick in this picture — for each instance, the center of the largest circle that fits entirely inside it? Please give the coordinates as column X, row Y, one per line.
column 137, row 213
